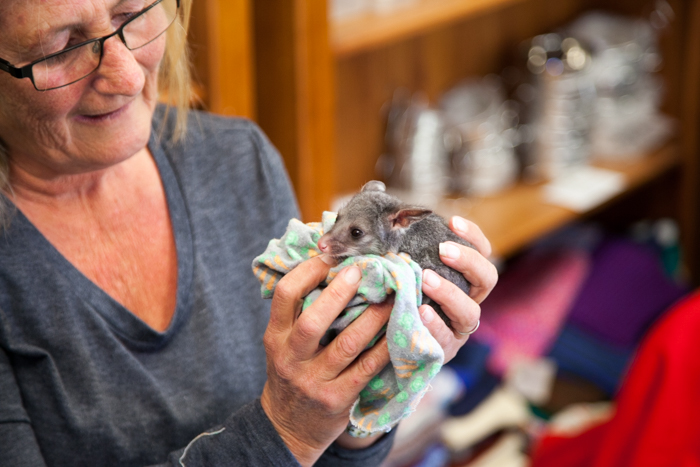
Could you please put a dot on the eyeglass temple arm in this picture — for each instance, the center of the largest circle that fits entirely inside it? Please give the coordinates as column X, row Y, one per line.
column 14, row 71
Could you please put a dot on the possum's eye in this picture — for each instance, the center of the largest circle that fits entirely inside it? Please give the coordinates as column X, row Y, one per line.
column 357, row 233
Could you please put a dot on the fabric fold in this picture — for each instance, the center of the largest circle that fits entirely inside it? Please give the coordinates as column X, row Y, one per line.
column 416, row 357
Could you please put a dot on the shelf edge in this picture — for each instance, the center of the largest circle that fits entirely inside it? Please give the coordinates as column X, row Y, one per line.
column 369, row 31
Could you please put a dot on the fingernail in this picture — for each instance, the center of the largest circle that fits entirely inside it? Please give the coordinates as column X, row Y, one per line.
column 352, row 275
column 329, row 260
column 428, row 314
column 431, row 279
column 460, row 224
column 449, row 250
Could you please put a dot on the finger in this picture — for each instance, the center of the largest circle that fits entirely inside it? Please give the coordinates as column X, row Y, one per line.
column 354, row 339
column 437, row 327
column 368, row 365
column 443, row 334
column 317, row 318
column 292, row 288
column 471, row 232
column 463, row 312
column 479, row 271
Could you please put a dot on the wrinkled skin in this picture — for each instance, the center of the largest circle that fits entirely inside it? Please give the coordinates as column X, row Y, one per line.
column 310, row 389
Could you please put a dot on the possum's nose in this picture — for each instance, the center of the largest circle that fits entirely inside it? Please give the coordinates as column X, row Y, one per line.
column 324, row 245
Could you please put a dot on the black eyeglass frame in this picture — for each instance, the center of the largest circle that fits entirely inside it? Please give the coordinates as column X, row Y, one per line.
column 26, row 70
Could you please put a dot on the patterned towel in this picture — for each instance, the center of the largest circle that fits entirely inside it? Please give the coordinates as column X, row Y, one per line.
column 416, row 357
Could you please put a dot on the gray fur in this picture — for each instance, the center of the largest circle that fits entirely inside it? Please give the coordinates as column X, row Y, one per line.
column 374, row 213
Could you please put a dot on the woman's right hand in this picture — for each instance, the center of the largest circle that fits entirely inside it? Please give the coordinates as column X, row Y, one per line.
column 310, row 389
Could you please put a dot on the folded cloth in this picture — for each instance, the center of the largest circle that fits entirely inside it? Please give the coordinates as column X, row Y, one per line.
column 470, row 362
column 475, row 395
column 578, row 352
column 625, row 292
column 416, row 357
column 524, row 314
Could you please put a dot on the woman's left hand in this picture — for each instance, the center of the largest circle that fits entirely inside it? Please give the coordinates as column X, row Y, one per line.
column 463, row 311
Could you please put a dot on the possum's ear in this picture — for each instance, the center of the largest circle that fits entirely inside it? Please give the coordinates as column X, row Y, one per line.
column 374, row 185
column 405, row 217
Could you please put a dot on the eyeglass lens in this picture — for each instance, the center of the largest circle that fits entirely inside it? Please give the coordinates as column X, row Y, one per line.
column 74, row 65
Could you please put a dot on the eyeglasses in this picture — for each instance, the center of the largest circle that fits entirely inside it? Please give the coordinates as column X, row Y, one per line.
column 77, row 62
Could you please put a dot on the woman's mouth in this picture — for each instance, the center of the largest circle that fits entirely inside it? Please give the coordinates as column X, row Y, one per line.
column 103, row 117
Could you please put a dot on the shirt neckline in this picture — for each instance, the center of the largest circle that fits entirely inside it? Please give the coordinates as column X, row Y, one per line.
column 126, row 324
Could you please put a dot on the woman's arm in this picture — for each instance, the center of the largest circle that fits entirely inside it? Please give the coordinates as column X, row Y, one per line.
column 18, row 444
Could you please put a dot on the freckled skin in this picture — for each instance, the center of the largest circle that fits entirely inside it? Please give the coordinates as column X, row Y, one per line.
column 43, row 131
column 374, row 213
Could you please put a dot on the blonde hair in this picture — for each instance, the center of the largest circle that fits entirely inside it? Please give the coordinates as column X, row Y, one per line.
column 175, row 80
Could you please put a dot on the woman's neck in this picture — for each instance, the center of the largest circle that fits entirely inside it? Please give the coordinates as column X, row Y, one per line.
column 35, row 184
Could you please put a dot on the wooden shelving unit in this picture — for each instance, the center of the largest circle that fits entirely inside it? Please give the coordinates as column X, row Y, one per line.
column 318, row 87
column 520, row 215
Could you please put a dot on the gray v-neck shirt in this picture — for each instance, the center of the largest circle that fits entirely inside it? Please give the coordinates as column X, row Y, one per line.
column 84, row 382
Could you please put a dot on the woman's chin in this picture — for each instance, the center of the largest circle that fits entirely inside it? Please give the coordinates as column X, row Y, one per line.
column 115, row 135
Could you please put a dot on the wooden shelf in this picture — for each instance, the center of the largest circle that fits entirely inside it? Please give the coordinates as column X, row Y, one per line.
column 515, row 218
column 372, row 30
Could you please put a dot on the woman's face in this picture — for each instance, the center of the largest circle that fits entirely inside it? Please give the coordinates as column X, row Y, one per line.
column 89, row 125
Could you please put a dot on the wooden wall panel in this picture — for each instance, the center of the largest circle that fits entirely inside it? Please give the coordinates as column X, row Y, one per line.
column 222, row 53
column 295, row 95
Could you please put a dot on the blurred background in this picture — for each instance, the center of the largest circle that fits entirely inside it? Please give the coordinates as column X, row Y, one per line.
column 566, row 129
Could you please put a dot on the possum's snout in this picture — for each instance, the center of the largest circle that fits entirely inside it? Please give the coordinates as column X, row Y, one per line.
column 324, row 244
column 330, row 246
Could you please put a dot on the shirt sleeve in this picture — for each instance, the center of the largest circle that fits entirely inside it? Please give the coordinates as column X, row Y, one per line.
column 277, row 178
column 18, row 444
column 248, row 438
column 335, row 456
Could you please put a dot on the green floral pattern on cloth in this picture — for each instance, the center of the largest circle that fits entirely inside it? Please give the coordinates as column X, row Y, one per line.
column 416, row 357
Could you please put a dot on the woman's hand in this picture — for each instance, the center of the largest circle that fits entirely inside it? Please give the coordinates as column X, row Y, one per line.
column 463, row 311
column 310, row 389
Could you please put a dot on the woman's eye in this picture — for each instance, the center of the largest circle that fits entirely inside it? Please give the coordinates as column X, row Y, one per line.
column 122, row 18
column 356, row 233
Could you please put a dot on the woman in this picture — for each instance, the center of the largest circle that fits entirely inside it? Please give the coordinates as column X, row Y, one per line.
column 131, row 326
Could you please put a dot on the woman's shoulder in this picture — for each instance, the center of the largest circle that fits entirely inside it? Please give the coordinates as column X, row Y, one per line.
column 220, row 155
column 206, row 129
column 214, row 140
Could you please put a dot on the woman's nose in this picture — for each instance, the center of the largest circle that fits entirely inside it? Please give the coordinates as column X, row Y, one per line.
column 119, row 71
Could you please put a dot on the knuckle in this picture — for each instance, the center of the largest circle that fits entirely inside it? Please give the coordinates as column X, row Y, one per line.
column 467, row 318
column 370, row 364
column 269, row 340
column 452, row 295
column 380, row 311
column 283, row 368
column 328, row 400
column 306, row 389
column 347, row 346
column 336, row 293
column 285, row 290
column 307, row 327
column 492, row 276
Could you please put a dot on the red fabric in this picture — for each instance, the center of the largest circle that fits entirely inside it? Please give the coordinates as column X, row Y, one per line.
column 657, row 421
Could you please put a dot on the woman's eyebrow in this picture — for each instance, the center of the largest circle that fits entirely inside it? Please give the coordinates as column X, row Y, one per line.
column 35, row 40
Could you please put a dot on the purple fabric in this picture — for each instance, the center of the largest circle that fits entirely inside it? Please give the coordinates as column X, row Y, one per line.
column 624, row 293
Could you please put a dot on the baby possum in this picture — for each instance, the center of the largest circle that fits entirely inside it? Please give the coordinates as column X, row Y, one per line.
column 374, row 222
